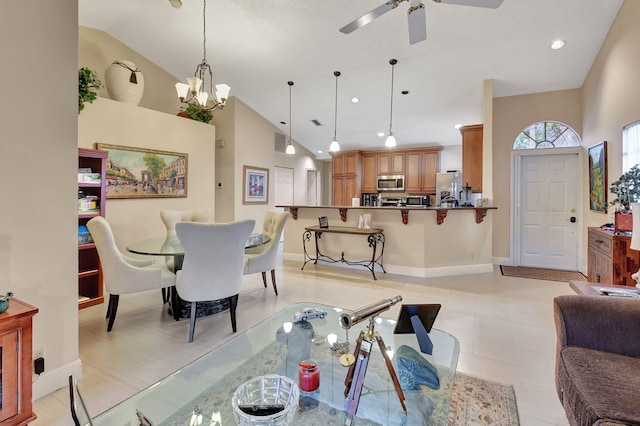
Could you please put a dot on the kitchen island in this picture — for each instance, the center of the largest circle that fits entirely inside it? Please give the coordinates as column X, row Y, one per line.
column 419, row 241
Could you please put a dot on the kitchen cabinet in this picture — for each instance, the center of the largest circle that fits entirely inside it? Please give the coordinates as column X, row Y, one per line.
column 610, row 259
column 391, row 163
column 472, row 156
column 421, row 168
column 16, row 360
column 90, row 284
column 369, row 173
column 347, row 177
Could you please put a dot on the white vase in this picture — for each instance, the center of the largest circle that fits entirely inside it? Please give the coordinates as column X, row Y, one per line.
column 124, row 81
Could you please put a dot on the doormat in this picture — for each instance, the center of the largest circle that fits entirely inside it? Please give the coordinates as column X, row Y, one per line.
column 541, row 274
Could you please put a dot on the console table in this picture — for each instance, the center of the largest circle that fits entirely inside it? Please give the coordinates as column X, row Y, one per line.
column 375, row 237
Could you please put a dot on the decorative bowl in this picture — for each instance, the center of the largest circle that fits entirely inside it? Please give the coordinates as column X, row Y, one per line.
column 4, row 302
column 266, row 390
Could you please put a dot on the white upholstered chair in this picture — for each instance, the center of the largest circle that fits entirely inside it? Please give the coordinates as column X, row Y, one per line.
column 123, row 274
column 263, row 258
column 171, row 217
column 213, row 264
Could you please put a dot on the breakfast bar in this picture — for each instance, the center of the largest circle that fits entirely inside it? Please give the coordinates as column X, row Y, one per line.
column 424, row 245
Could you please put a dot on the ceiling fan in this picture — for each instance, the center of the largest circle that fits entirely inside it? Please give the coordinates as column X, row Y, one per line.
column 416, row 15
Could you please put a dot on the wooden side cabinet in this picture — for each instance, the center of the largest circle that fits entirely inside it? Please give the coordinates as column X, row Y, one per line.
column 15, row 361
column 611, row 260
column 90, row 286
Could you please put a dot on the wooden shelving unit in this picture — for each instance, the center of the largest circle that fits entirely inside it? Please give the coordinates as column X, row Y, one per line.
column 90, row 284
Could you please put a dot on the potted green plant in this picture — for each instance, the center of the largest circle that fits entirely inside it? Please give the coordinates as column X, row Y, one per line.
column 627, row 191
column 196, row 113
column 88, row 84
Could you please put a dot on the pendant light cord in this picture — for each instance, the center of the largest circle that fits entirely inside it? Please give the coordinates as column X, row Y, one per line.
column 335, row 118
column 393, row 63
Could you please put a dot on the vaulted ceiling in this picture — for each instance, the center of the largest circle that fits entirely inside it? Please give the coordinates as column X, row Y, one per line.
column 256, row 46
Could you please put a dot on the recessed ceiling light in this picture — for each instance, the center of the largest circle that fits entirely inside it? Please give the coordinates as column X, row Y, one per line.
column 319, row 151
column 558, row 44
column 381, row 134
column 355, row 100
column 457, row 126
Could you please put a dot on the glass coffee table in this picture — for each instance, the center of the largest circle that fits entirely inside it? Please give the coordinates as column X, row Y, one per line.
column 205, row 386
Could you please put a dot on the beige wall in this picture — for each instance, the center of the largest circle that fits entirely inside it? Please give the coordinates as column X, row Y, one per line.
column 97, row 50
column 611, row 94
column 511, row 115
column 38, row 146
column 117, row 123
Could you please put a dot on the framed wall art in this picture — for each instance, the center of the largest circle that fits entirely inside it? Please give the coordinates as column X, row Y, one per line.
column 598, row 177
column 255, row 185
column 144, row 173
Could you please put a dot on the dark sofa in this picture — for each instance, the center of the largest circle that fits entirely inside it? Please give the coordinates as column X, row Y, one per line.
column 598, row 359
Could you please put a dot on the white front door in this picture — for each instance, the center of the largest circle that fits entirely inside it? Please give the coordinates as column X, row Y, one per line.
column 547, row 211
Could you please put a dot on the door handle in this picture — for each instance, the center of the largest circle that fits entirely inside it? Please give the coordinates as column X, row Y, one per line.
column 573, row 219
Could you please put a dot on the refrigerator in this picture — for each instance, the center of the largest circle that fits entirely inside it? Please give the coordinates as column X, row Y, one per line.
column 449, row 183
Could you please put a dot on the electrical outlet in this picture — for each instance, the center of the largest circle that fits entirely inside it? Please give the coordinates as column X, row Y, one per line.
column 38, row 354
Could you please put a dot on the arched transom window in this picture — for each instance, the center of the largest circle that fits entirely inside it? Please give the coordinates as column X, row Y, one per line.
column 546, row 134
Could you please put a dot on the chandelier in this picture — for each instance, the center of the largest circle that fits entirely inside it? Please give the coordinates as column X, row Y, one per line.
column 195, row 92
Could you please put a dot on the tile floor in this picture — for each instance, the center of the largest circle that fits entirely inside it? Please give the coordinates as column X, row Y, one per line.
column 504, row 325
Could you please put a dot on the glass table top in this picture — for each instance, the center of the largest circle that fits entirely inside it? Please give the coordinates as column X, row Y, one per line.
column 171, row 246
column 207, row 384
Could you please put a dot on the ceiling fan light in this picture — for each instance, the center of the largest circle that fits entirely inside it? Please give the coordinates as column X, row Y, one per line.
column 391, row 141
column 335, row 146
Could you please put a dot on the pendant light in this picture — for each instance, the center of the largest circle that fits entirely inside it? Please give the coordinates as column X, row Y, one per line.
column 290, row 148
column 391, row 140
column 335, row 146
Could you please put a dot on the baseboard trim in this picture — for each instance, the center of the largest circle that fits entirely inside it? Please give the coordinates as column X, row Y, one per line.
column 50, row 381
column 409, row 270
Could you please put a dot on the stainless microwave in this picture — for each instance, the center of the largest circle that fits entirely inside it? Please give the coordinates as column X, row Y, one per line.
column 391, row 183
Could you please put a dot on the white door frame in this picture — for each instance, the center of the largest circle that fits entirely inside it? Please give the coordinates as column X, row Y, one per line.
column 516, row 170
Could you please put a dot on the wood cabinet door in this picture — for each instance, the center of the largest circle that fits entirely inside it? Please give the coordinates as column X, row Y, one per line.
column 430, row 166
column 338, row 191
column 9, row 374
column 472, row 156
column 369, row 173
column 413, row 177
column 352, row 189
column 384, row 164
column 397, row 163
column 338, row 165
column 351, row 164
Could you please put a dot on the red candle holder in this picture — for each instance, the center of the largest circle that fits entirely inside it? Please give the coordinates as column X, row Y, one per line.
column 308, row 376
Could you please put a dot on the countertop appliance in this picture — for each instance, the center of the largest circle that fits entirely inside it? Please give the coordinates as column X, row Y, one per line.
column 393, row 201
column 417, row 200
column 391, row 183
column 370, row 200
column 450, row 183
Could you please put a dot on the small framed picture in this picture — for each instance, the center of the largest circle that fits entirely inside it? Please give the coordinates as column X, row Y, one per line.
column 324, row 222
column 364, row 221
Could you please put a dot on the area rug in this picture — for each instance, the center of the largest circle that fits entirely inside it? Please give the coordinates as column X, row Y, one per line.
column 541, row 274
column 480, row 402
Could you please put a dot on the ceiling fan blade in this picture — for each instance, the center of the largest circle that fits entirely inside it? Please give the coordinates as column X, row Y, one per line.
column 493, row 4
column 370, row 16
column 417, row 24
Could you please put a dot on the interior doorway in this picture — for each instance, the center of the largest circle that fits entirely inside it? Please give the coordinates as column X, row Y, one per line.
column 283, row 184
column 546, row 209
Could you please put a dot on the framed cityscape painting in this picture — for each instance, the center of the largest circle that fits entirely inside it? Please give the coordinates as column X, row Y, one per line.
column 144, row 173
column 255, row 184
column 598, row 177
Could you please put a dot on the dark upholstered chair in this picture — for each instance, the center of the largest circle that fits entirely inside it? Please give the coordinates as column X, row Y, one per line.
column 598, row 359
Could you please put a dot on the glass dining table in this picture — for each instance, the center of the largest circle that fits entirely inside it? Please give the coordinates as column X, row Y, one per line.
column 171, row 246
